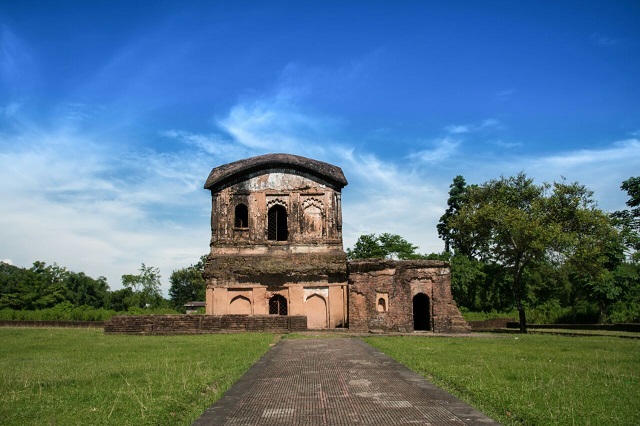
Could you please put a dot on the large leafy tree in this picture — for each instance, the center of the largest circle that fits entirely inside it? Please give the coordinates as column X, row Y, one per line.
column 450, row 236
column 628, row 221
column 187, row 284
column 81, row 289
column 145, row 287
column 515, row 224
column 389, row 246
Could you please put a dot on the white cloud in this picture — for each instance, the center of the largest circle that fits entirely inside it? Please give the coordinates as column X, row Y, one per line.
column 385, row 197
column 504, row 95
column 604, row 41
column 486, row 125
column 505, row 144
column 275, row 124
column 457, row 129
column 442, row 150
column 102, row 209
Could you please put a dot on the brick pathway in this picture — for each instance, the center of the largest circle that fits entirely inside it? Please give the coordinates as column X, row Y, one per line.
column 337, row 381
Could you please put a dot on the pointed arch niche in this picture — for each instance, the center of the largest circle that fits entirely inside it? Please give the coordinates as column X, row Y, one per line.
column 313, row 214
column 315, row 308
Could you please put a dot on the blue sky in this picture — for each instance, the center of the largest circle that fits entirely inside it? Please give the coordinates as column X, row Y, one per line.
column 112, row 115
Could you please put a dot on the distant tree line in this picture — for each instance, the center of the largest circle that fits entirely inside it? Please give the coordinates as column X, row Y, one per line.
column 52, row 292
column 546, row 249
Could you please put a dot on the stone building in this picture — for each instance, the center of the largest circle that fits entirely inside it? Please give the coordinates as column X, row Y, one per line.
column 276, row 240
column 276, row 249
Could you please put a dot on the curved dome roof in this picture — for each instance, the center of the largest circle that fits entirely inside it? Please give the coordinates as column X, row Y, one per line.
column 232, row 171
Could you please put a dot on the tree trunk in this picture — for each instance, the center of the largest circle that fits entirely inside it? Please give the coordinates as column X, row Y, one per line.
column 522, row 318
column 517, row 294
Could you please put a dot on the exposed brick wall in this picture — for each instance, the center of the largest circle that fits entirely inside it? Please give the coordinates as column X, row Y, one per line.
column 201, row 324
column 401, row 281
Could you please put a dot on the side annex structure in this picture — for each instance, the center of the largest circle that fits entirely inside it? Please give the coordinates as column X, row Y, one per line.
column 276, row 250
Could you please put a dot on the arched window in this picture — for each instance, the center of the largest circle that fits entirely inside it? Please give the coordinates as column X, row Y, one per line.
column 277, row 224
column 382, row 305
column 241, row 216
column 278, row 305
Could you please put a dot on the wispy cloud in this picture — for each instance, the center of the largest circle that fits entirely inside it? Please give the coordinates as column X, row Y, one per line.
column 505, row 144
column 504, row 95
column 17, row 66
column 441, row 150
column 454, row 130
column 100, row 208
column 276, row 124
column 488, row 124
column 604, row 41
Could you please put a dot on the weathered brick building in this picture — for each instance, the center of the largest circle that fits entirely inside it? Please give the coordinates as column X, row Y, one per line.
column 276, row 249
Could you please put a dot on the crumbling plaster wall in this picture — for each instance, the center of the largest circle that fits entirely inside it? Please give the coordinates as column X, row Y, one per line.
column 397, row 282
column 313, row 210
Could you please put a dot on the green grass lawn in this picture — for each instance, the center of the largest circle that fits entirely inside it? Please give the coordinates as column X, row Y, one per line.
column 82, row 376
column 531, row 379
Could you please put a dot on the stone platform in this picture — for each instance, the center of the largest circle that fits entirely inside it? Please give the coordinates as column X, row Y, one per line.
column 335, row 381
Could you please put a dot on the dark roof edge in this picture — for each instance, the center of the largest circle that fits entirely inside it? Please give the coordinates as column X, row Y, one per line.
column 226, row 172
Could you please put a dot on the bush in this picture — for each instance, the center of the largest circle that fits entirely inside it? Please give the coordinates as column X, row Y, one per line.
column 550, row 312
column 621, row 312
column 482, row 316
column 67, row 312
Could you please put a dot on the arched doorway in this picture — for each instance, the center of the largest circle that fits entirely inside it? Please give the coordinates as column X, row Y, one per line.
column 315, row 308
column 278, row 305
column 421, row 312
column 277, row 224
column 240, row 305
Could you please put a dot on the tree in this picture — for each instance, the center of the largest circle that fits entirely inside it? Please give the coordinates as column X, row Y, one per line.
column 187, row 284
column 81, row 289
column 457, row 193
column 628, row 221
column 367, row 247
column 390, row 246
column 145, row 287
column 517, row 225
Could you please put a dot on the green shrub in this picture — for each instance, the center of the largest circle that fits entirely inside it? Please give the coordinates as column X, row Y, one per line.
column 65, row 311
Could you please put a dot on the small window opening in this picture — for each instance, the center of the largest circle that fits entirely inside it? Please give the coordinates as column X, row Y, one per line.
column 277, row 224
column 278, row 305
column 382, row 305
column 241, row 216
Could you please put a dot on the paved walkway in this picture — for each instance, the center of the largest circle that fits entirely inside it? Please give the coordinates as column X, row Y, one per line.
column 335, row 381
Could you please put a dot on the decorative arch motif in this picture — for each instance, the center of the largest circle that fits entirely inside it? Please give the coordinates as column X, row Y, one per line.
column 277, row 202
column 240, row 305
column 313, row 215
column 312, row 201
